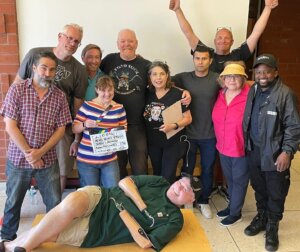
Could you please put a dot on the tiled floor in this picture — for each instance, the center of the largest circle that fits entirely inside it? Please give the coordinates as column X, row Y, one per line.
column 222, row 239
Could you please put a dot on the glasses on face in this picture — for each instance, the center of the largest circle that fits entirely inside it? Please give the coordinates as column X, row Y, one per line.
column 232, row 77
column 187, row 188
column 72, row 40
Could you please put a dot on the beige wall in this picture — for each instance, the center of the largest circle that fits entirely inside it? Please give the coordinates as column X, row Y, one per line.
column 156, row 26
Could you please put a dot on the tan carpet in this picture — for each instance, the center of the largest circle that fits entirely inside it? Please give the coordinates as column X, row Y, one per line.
column 191, row 239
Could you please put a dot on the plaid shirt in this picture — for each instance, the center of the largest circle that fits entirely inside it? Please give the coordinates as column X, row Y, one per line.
column 37, row 119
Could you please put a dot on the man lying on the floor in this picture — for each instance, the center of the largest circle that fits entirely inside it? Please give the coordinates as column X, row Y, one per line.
column 144, row 209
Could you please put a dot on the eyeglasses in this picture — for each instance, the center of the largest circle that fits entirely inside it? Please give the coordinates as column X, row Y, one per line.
column 72, row 40
column 187, row 188
column 232, row 77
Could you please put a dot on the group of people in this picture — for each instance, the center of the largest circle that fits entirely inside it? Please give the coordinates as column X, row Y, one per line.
column 255, row 130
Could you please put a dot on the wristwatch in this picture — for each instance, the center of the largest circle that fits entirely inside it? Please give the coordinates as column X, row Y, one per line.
column 176, row 126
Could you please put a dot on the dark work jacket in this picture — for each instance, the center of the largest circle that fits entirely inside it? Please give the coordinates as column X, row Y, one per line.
column 279, row 124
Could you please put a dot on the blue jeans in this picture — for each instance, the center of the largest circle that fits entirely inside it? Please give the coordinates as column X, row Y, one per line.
column 137, row 153
column 18, row 181
column 236, row 172
column 208, row 153
column 105, row 175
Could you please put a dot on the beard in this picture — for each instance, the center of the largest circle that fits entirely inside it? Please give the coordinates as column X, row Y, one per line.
column 45, row 82
column 267, row 84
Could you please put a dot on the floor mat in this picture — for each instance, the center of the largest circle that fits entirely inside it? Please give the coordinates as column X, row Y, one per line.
column 191, row 238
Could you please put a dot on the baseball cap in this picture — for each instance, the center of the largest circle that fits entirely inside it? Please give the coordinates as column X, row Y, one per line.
column 195, row 184
column 266, row 59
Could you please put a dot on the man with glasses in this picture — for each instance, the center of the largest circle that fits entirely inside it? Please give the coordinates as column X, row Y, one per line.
column 224, row 39
column 71, row 78
column 35, row 113
column 95, row 216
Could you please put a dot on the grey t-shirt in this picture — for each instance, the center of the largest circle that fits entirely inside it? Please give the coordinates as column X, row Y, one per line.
column 71, row 76
column 204, row 91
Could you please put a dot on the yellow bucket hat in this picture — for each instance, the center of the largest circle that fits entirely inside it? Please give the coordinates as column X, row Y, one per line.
column 234, row 69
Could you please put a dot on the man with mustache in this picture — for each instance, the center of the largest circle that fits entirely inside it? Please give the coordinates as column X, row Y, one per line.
column 71, row 78
column 272, row 136
column 35, row 113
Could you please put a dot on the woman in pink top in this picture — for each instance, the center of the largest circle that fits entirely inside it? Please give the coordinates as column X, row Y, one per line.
column 227, row 117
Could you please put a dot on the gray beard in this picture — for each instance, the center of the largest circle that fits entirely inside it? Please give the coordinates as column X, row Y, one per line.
column 45, row 83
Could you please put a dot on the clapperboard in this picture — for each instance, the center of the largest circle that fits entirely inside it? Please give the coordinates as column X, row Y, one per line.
column 109, row 140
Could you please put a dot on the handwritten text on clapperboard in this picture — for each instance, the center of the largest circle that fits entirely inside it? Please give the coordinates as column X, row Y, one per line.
column 109, row 142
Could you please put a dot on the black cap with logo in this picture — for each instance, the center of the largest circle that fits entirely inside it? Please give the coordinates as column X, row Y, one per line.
column 195, row 184
column 266, row 59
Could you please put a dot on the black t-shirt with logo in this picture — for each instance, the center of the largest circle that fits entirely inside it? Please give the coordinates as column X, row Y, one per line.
column 131, row 80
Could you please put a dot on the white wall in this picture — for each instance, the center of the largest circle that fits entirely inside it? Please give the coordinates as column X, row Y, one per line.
column 158, row 32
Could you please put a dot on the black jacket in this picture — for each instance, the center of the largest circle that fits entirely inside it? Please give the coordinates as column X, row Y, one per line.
column 279, row 124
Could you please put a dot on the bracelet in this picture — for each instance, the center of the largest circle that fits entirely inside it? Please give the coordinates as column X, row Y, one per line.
column 176, row 126
column 75, row 141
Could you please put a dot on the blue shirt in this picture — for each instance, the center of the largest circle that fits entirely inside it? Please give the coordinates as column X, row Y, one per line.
column 90, row 91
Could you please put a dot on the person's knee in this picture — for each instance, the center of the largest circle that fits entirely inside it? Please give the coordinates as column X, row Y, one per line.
column 75, row 204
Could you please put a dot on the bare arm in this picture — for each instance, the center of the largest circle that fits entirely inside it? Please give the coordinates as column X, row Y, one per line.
column 136, row 231
column 186, row 98
column 74, row 146
column 77, row 104
column 185, row 26
column 129, row 188
column 261, row 24
column 186, row 120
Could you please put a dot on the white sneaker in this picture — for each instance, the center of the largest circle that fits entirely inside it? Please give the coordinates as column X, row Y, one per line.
column 205, row 210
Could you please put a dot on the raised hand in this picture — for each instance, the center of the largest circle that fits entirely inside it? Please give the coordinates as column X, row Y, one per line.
column 271, row 3
column 174, row 5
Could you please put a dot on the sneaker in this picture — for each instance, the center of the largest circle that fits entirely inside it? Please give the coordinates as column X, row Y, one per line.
column 205, row 210
column 230, row 220
column 258, row 224
column 223, row 213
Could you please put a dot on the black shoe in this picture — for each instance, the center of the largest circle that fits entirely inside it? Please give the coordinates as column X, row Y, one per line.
column 2, row 247
column 272, row 241
column 223, row 213
column 258, row 224
column 230, row 220
column 19, row 249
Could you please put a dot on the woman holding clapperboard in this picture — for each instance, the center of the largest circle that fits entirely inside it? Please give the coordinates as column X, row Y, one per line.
column 165, row 118
column 97, row 119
